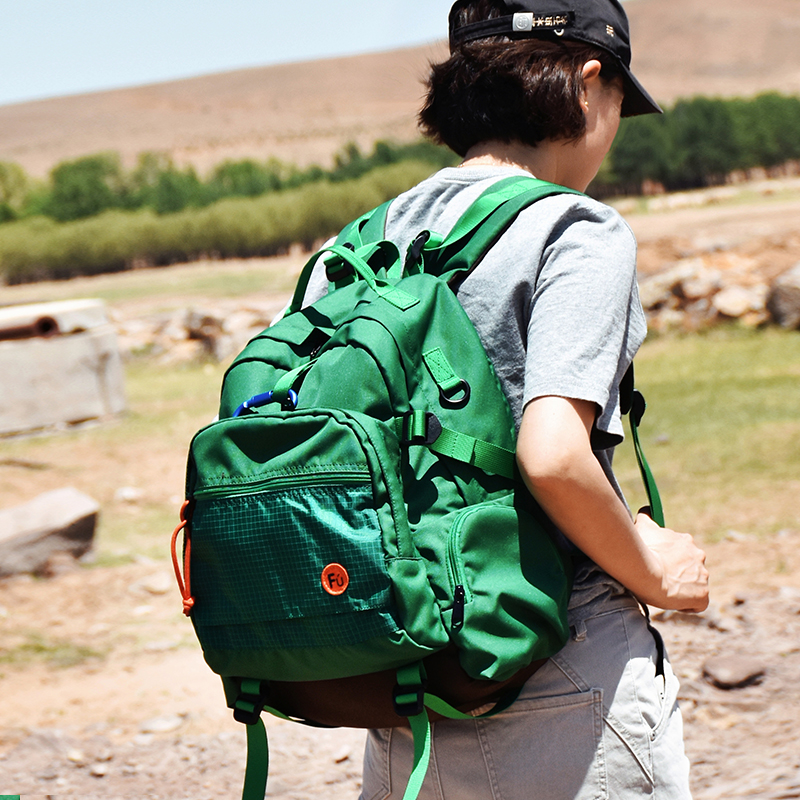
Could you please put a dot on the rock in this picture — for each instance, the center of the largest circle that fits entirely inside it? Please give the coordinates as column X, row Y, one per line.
column 655, row 290
column 701, row 284
column 728, row 671
column 165, row 724
column 99, row 770
column 736, row 301
column 76, row 757
column 158, row 583
column 60, row 563
column 342, row 755
column 684, row 617
column 129, row 494
column 31, row 534
column 783, row 302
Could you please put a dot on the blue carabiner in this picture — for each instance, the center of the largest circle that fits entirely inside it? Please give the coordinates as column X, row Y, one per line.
column 263, row 399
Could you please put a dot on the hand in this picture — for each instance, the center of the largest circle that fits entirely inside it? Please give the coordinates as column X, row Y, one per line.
column 684, row 583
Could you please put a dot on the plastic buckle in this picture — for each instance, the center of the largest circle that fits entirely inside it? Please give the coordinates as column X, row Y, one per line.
column 638, row 407
column 248, row 716
column 414, row 254
column 409, row 701
column 336, row 268
column 433, row 429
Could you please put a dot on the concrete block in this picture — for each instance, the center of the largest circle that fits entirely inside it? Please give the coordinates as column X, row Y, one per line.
column 54, row 523
column 71, row 374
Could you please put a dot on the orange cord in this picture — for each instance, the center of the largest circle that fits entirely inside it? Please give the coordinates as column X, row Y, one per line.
column 185, row 587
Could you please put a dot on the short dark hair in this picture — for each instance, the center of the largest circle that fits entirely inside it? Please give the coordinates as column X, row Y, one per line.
column 496, row 88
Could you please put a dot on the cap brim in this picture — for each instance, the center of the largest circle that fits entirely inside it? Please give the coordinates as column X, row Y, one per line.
column 637, row 101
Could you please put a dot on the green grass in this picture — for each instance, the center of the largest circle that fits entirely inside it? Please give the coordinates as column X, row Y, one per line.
column 722, row 431
column 56, row 653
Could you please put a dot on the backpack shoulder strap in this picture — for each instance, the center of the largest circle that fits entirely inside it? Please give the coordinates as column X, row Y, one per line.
column 632, row 403
column 483, row 223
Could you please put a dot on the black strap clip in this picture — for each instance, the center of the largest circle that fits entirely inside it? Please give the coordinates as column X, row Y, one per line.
column 248, row 707
column 409, row 701
column 414, row 253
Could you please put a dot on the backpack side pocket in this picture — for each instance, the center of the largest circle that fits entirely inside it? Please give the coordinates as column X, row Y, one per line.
column 509, row 587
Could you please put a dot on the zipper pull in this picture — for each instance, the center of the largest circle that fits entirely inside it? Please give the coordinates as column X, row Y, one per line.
column 459, row 599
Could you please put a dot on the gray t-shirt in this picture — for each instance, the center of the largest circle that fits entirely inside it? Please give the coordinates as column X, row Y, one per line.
column 554, row 301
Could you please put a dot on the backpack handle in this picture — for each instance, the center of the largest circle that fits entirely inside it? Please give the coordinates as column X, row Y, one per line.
column 353, row 259
column 383, row 288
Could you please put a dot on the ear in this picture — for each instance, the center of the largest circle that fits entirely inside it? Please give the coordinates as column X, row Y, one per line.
column 591, row 70
column 591, row 77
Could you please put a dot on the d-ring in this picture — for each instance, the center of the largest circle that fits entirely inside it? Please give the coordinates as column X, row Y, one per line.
column 456, row 402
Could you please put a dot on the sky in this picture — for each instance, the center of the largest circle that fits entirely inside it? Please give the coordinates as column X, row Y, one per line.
column 58, row 47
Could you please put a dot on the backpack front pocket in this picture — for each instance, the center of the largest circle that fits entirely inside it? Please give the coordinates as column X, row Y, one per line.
column 293, row 534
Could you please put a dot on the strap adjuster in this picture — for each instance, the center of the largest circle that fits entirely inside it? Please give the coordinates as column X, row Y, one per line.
column 249, row 705
column 421, row 427
column 409, row 701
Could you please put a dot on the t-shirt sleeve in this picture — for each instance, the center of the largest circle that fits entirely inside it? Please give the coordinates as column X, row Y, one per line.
column 586, row 319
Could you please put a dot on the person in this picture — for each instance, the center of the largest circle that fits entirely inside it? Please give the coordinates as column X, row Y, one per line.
column 534, row 88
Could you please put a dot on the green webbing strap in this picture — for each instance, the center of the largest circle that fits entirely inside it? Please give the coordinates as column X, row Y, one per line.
column 413, row 429
column 255, row 775
column 441, row 371
column 368, row 227
column 653, row 495
column 495, row 196
column 410, row 684
column 632, row 403
column 280, row 393
column 412, row 679
column 249, row 704
column 375, row 227
column 358, row 264
column 444, row 708
column 484, row 455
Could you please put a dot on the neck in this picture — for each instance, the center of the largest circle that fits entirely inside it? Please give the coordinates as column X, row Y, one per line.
column 549, row 161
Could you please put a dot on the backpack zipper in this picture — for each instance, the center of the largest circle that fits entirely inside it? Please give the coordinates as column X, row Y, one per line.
column 338, row 478
column 457, row 576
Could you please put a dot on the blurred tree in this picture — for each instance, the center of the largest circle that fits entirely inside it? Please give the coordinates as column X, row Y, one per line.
column 642, row 151
column 246, row 178
column 15, row 187
column 84, row 187
column 705, row 145
column 177, row 189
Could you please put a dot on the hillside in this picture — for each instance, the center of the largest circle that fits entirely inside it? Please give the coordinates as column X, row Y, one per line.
column 304, row 112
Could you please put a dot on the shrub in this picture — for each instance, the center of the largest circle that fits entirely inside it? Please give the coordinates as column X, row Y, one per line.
column 38, row 248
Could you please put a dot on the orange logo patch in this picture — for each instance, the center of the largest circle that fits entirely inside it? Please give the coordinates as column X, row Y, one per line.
column 335, row 579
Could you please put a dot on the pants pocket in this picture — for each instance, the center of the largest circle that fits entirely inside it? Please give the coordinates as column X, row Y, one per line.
column 550, row 748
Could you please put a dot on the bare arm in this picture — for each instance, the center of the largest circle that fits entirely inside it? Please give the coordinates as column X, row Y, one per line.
column 661, row 567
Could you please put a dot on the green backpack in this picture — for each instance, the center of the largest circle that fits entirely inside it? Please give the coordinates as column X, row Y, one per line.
column 358, row 545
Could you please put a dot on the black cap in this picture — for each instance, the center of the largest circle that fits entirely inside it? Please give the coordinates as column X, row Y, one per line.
column 599, row 22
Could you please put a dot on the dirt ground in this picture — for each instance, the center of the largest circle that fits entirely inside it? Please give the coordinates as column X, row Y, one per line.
column 112, row 698
column 140, row 715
